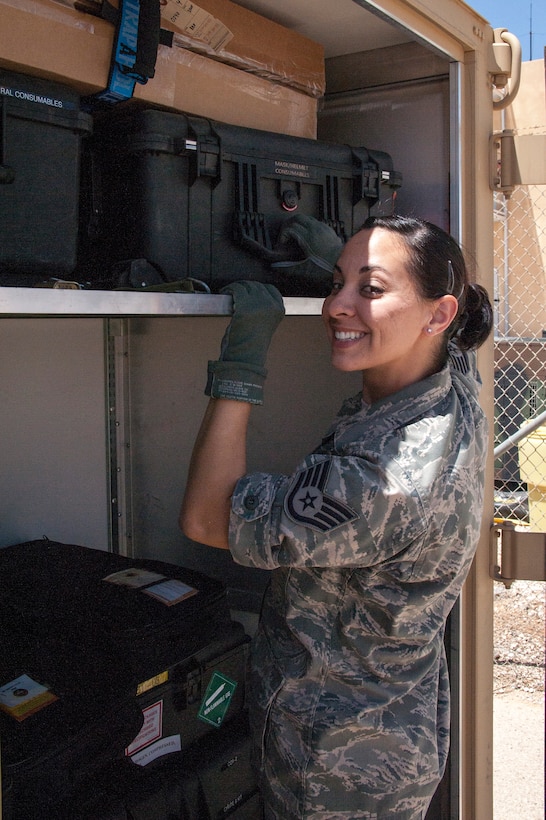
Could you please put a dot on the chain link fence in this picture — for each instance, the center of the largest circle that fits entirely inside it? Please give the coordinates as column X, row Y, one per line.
column 520, row 356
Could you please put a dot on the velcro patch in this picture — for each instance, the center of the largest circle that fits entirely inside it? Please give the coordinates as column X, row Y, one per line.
column 307, row 504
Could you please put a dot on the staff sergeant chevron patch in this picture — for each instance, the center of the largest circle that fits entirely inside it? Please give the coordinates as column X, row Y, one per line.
column 305, row 502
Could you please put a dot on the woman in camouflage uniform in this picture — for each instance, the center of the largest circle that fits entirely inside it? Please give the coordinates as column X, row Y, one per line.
column 371, row 538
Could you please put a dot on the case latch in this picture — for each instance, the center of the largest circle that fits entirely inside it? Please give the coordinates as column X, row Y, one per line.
column 187, row 683
column 377, row 180
column 206, row 149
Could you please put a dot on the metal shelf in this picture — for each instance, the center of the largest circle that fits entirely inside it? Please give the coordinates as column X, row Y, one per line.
column 46, row 302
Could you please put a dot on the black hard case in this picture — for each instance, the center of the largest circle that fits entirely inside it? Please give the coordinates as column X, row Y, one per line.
column 203, row 199
column 179, row 690
column 88, row 741
column 47, row 755
column 48, row 587
column 108, row 652
column 214, row 779
column 221, row 780
column 41, row 132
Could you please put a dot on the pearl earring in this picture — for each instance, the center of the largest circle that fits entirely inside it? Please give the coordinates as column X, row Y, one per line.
column 429, row 330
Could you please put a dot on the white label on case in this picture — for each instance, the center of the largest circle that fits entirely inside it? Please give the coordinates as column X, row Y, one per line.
column 165, row 746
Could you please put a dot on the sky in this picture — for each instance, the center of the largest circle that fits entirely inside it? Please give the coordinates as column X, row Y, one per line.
column 520, row 17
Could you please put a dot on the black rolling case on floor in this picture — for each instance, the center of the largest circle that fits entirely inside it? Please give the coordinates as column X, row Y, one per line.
column 141, row 653
column 193, row 697
column 61, row 721
column 221, row 781
column 76, row 741
column 143, row 610
column 214, row 779
column 42, row 129
column 191, row 197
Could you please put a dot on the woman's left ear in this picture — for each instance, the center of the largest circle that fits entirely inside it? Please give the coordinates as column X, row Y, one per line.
column 445, row 310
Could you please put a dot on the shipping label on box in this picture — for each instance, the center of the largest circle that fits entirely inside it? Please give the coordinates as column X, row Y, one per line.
column 197, row 23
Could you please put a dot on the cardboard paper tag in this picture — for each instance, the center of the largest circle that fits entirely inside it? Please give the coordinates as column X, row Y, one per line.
column 195, row 22
column 133, row 577
column 170, row 592
column 24, row 696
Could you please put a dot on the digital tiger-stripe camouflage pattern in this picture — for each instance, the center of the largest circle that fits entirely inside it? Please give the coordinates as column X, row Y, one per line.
column 369, row 543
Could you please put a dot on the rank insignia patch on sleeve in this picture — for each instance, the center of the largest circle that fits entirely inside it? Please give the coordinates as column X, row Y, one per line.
column 306, row 503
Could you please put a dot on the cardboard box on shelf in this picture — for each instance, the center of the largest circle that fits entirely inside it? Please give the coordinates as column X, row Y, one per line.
column 234, row 35
column 224, row 31
column 47, row 39
column 193, row 83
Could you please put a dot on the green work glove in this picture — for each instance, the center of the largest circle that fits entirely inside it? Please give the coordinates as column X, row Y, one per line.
column 314, row 240
column 240, row 371
column 307, row 252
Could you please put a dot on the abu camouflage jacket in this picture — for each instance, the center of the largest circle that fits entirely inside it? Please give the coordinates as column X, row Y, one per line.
column 369, row 541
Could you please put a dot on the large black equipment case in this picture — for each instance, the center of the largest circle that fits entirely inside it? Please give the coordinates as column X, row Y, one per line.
column 41, row 131
column 221, row 780
column 214, row 779
column 196, row 693
column 193, row 197
column 47, row 587
column 135, row 681
column 97, row 738
column 67, row 720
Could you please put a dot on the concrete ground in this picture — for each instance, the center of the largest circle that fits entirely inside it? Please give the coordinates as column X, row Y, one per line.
column 518, row 701
column 519, row 756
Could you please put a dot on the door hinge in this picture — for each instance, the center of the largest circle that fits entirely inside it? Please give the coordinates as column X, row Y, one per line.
column 516, row 553
column 516, row 160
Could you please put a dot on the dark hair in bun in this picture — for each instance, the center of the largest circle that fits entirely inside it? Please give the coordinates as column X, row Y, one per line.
column 438, row 268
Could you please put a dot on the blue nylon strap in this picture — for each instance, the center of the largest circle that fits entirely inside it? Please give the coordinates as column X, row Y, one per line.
column 122, row 80
column 134, row 51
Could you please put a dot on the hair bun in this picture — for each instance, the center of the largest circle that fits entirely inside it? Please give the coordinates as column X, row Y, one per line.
column 476, row 319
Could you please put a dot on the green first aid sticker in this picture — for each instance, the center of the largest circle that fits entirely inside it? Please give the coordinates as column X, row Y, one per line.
column 217, row 699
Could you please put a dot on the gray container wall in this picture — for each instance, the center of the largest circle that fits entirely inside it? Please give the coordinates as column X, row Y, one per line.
column 53, row 448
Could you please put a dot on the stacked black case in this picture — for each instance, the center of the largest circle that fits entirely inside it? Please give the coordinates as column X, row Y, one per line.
column 126, row 732
column 192, row 197
column 134, row 197
column 42, row 128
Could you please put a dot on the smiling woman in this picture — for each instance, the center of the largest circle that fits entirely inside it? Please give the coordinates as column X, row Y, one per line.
column 369, row 540
column 377, row 320
column 392, row 301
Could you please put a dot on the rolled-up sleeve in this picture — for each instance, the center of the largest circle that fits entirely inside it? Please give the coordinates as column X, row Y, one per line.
column 254, row 522
column 332, row 512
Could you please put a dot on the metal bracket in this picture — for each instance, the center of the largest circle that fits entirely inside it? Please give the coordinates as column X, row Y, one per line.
column 516, row 160
column 516, row 553
column 505, row 68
